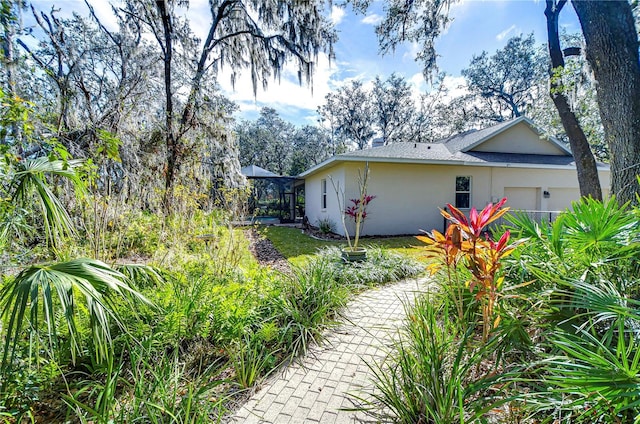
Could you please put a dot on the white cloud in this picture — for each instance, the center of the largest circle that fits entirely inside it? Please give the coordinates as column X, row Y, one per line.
column 418, row 82
column 337, row 14
column 418, row 86
column 501, row 36
column 412, row 51
column 372, row 19
column 456, row 87
column 285, row 95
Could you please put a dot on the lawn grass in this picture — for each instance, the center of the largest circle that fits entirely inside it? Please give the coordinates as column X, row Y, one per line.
column 298, row 247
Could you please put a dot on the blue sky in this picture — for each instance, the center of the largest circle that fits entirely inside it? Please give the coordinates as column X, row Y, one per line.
column 477, row 25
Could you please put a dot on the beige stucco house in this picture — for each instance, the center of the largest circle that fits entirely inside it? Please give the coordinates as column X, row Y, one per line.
column 411, row 181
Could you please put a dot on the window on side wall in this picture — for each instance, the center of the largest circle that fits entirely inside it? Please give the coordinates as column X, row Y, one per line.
column 323, row 193
column 463, row 192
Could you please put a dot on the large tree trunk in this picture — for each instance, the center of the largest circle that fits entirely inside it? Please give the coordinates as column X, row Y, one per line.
column 612, row 52
column 170, row 138
column 585, row 162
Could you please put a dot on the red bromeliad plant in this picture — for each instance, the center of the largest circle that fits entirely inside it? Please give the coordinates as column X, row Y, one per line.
column 469, row 240
column 358, row 212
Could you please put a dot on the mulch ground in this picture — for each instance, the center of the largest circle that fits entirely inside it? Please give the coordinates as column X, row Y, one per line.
column 265, row 252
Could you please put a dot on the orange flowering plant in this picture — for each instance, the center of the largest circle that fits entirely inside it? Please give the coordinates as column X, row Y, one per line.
column 467, row 240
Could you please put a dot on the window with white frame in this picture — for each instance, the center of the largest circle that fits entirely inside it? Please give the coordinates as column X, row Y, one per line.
column 323, row 193
column 463, row 192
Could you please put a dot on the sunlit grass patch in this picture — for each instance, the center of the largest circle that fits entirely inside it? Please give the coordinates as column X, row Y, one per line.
column 298, row 247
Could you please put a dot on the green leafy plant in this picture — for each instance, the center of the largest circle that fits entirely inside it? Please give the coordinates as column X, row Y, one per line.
column 326, row 225
column 586, row 272
column 382, row 266
column 102, row 392
column 150, row 387
column 597, row 238
column 29, row 178
column 36, row 289
column 250, row 360
column 308, row 301
column 593, row 366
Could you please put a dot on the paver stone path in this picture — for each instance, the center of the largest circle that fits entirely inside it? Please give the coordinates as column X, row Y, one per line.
column 315, row 390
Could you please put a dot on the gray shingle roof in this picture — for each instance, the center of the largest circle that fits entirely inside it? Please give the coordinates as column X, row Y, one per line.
column 256, row 171
column 456, row 150
column 465, row 140
column 438, row 152
column 403, row 150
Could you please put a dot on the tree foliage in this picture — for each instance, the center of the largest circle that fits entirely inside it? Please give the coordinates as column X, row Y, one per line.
column 351, row 111
column 355, row 114
column 266, row 142
column 278, row 146
column 393, row 108
column 311, row 145
column 259, row 36
column 509, row 79
column 145, row 123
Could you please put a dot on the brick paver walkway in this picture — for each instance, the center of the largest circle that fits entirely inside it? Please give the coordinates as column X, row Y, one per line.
column 315, row 390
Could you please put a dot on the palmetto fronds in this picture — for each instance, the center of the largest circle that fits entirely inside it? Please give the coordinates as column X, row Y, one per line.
column 49, row 291
column 30, row 178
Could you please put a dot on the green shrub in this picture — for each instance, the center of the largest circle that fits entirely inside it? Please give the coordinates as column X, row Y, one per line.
column 326, row 225
column 250, row 359
column 151, row 386
column 596, row 238
column 591, row 370
column 59, row 287
column 584, row 268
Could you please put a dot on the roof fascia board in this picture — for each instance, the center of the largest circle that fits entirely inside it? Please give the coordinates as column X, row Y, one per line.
column 525, row 165
column 439, row 162
column 319, row 167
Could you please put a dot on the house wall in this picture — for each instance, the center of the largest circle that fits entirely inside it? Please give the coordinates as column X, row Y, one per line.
column 313, row 197
column 408, row 196
column 519, row 139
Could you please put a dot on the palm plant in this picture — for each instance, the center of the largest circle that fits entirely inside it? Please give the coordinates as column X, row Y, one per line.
column 585, row 261
column 593, row 371
column 29, row 178
column 36, row 288
column 598, row 238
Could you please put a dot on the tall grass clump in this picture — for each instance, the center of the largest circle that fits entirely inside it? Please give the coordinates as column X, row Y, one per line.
column 307, row 305
column 148, row 386
column 435, row 373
